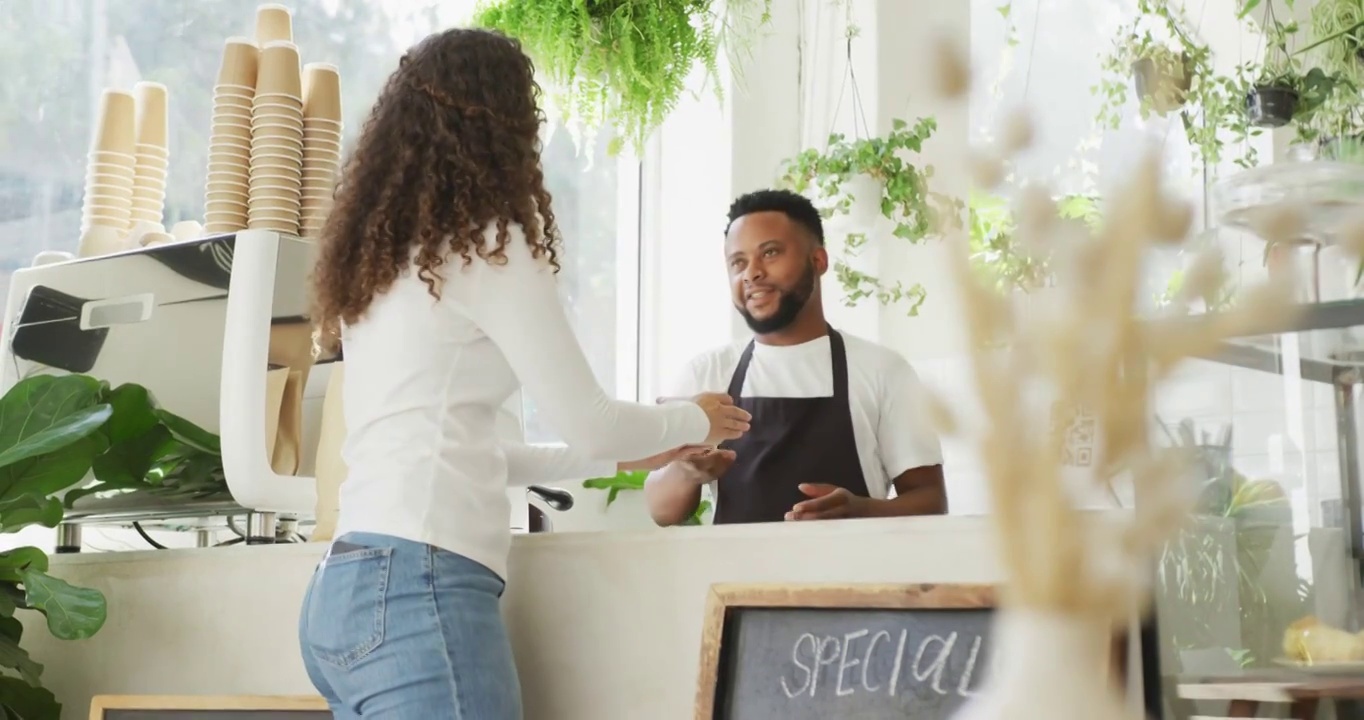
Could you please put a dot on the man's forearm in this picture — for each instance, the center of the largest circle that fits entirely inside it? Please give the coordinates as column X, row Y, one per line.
column 917, row 501
column 673, row 493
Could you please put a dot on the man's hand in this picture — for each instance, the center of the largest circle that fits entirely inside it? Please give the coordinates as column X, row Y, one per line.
column 657, row 461
column 828, row 502
column 712, row 463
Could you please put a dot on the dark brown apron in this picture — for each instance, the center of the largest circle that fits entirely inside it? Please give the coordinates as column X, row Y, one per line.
column 791, row 441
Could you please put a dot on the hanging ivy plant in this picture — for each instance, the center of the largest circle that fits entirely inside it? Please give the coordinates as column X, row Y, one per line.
column 619, row 63
column 904, row 197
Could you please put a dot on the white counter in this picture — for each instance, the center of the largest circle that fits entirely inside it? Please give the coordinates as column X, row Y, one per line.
column 606, row 626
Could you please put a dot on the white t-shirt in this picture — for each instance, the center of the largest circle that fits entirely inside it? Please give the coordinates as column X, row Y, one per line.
column 426, row 380
column 890, row 425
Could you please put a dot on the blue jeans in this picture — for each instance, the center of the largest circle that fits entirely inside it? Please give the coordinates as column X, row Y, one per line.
column 396, row 629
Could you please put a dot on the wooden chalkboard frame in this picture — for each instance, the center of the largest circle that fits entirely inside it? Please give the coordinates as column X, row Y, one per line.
column 726, row 597
column 100, row 703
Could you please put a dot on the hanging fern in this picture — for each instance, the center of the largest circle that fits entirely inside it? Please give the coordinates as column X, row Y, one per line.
column 621, row 64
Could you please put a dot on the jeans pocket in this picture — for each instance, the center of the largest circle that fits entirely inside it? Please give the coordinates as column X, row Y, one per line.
column 346, row 615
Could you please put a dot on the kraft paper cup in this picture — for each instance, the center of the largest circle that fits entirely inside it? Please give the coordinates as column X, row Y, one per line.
column 277, row 126
column 282, row 99
column 107, row 195
column 109, row 179
column 152, row 114
column 226, row 208
column 279, row 71
column 266, row 144
column 231, row 128
column 115, row 123
column 322, row 144
column 232, row 214
column 117, row 159
column 279, row 157
column 226, row 194
column 147, row 163
column 100, row 239
column 226, row 183
column 228, row 145
column 240, row 63
column 157, row 151
column 312, row 122
column 322, row 91
column 281, row 164
column 152, row 239
column 278, row 204
column 226, row 153
column 270, row 190
column 228, row 168
column 274, row 22
column 187, row 230
column 231, row 109
column 322, row 135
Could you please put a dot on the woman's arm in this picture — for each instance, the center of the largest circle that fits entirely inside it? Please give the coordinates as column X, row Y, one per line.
column 547, row 464
column 517, row 305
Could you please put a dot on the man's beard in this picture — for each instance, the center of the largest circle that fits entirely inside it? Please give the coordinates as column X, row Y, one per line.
column 788, row 307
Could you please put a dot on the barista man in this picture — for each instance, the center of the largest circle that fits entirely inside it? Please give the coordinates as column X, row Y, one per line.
column 838, row 421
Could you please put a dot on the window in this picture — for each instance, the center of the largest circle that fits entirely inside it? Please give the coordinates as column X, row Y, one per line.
column 1052, row 79
column 63, row 53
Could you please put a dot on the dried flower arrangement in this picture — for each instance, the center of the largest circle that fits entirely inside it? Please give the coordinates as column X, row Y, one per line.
column 1073, row 579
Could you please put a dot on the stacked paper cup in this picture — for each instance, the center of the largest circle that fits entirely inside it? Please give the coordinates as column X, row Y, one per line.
column 321, row 143
column 276, row 141
column 229, row 150
column 107, row 210
column 152, row 156
column 274, row 22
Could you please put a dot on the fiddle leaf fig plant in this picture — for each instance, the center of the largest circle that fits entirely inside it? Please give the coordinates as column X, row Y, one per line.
column 622, row 63
column 54, row 430
column 903, row 197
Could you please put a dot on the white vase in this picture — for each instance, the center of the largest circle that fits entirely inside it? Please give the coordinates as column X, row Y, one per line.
column 1048, row 667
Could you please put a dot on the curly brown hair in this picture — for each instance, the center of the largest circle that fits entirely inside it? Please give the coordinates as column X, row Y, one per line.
column 451, row 146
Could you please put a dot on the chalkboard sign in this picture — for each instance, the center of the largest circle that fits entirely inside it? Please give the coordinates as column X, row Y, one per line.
column 208, row 707
column 848, row 652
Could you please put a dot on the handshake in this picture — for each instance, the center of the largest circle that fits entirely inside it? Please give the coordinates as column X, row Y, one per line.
column 727, row 422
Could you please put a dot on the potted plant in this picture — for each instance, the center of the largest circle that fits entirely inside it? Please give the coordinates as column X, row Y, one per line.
column 1272, row 102
column 881, row 173
column 1161, row 76
column 620, row 63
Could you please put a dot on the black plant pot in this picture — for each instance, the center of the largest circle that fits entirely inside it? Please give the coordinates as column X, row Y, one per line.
column 1271, row 106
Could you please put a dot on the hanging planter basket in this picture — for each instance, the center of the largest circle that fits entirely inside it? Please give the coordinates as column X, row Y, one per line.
column 1163, row 84
column 1271, row 106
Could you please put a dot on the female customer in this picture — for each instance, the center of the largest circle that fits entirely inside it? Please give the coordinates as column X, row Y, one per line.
column 437, row 268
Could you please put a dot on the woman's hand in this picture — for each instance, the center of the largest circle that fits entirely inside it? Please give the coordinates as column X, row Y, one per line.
column 727, row 420
column 663, row 458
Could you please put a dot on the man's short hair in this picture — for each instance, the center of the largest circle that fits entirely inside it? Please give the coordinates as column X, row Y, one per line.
column 793, row 205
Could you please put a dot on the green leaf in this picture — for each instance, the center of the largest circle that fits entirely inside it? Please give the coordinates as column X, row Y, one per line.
column 25, row 510
column 28, row 702
column 46, row 431
column 134, row 413
column 62, row 432
column 189, row 433
column 73, row 613
column 126, row 463
column 14, row 657
column 1247, row 6
column 14, row 562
